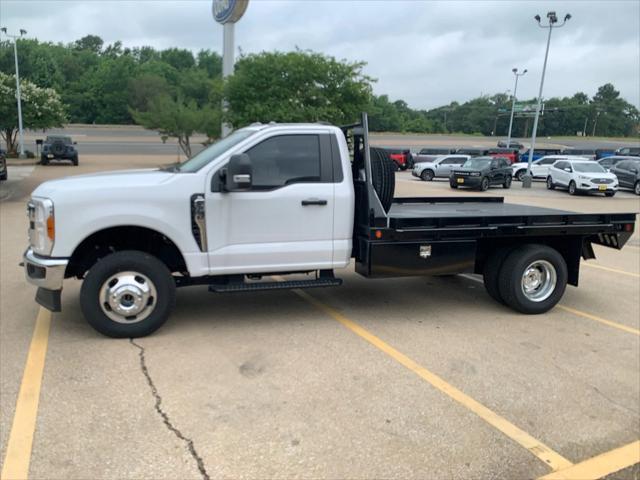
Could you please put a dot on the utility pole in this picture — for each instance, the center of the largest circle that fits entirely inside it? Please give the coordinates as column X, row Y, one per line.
column 595, row 123
column 513, row 101
column 18, row 95
column 553, row 20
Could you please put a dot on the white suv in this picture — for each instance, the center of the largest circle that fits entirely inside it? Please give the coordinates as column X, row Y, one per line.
column 582, row 176
column 539, row 167
column 441, row 167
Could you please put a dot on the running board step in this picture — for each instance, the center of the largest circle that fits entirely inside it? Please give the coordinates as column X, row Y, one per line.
column 252, row 287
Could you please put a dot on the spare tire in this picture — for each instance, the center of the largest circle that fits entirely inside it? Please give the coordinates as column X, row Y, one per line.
column 383, row 176
column 58, row 148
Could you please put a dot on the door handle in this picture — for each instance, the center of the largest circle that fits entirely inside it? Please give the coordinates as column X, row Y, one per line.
column 313, row 201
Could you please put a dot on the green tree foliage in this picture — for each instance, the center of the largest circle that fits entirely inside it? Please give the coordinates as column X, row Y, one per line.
column 296, row 86
column 41, row 108
column 180, row 119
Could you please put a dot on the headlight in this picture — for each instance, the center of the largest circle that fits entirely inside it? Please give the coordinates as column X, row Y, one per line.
column 42, row 225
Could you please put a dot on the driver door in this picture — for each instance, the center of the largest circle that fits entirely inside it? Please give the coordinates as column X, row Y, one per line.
column 284, row 221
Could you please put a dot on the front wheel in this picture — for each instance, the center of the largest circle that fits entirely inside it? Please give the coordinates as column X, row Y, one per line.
column 520, row 174
column 484, row 184
column 74, row 160
column 572, row 188
column 533, row 279
column 127, row 294
column 609, row 194
column 507, row 182
column 550, row 184
column 636, row 188
column 427, row 175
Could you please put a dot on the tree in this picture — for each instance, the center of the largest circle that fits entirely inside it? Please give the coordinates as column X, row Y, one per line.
column 41, row 108
column 179, row 119
column 296, row 87
column 92, row 43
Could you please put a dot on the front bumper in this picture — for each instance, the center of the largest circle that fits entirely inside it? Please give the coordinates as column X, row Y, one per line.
column 44, row 272
column 594, row 187
column 468, row 181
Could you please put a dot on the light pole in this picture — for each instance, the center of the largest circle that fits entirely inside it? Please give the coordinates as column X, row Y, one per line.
column 553, row 20
column 18, row 96
column 513, row 102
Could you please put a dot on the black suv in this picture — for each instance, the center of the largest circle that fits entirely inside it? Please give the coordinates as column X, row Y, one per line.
column 3, row 165
column 58, row 147
column 482, row 172
column 629, row 151
column 628, row 173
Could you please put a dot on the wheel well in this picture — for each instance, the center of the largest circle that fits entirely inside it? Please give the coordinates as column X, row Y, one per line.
column 115, row 239
column 571, row 249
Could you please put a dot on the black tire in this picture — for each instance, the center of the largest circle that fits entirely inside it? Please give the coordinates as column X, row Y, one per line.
column 573, row 189
column 507, row 182
column 512, row 272
column 550, row 184
column 3, row 176
column 75, row 160
column 484, row 184
column 636, row 188
column 135, row 261
column 427, row 175
column 44, row 161
column 383, row 172
column 491, row 272
column 453, row 185
column 520, row 174
column 609, row 194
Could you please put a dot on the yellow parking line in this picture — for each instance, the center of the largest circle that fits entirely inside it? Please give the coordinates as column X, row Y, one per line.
column 18, row 455
column 601, row 465
column 609, row 269
column 604, row 321
column 537, row 448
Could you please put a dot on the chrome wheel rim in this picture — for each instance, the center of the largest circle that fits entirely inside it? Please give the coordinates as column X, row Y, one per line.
column 549, row 183
column 128, row 297
column 572, row 187
column 539, row 280
column 637, row 188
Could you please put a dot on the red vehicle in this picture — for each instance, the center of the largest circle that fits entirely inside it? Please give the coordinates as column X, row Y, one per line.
column 402, row 157
column 509, row 153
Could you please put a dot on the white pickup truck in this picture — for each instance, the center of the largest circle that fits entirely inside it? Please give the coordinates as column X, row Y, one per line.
column 287, row 199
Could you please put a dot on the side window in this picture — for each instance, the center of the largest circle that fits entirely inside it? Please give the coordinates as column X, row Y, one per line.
column 504, row 163
column 286, row 159
column 547, row 161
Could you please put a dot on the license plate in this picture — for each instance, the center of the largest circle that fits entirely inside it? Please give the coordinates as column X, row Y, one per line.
column 461, row 180
column 50, row 156
column 602, row 187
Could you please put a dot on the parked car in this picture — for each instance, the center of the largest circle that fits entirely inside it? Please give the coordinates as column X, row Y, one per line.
column 589, row 153
column 58, row 147
column 3, row 165
column 441, row 167
column 604, row 152
column 539, row 153
column 540, row 167
column 581, row 176
column 402, row 157
column 508, row 153
column 512, row 144
column 628, row 173
column 610, row 162
column 481, row 173
column 429, row 154
column 629, row 151
column 472, row 151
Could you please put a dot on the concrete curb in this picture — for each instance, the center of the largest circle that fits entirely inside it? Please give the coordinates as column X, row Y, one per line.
column 16, row 162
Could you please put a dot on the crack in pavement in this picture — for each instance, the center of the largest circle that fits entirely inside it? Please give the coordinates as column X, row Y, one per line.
column 165, row 418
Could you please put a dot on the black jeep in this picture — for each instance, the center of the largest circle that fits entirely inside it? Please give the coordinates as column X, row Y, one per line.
column 58, row 147
column 481, row 173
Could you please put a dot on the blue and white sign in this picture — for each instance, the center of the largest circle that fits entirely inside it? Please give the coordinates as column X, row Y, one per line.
column 228, row 11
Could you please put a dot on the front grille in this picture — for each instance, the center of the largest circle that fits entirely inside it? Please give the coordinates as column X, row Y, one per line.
column 462, row 174
column 602, row 180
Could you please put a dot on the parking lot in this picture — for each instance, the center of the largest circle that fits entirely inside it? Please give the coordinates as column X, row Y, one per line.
column 404, row 378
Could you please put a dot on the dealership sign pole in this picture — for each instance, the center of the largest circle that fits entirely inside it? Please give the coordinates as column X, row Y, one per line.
column 227, row 13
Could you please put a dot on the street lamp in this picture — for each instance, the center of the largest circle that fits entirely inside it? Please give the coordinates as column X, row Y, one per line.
column 513, row 102
column 553, row 20
column 18, row 96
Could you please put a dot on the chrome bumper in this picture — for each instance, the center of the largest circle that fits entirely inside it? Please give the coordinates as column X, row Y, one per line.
column 44, row 272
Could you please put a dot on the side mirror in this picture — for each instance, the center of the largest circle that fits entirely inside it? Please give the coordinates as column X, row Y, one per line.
column 238, row 174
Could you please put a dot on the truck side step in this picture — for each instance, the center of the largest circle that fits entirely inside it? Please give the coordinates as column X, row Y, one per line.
column 256, row 286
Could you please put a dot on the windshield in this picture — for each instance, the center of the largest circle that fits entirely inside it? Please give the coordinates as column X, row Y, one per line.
column 477, row 163
column 588, row 168
column 65, row 140
column 198, row 161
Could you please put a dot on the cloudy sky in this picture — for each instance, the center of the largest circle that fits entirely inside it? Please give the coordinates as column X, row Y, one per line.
column 425, row 52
